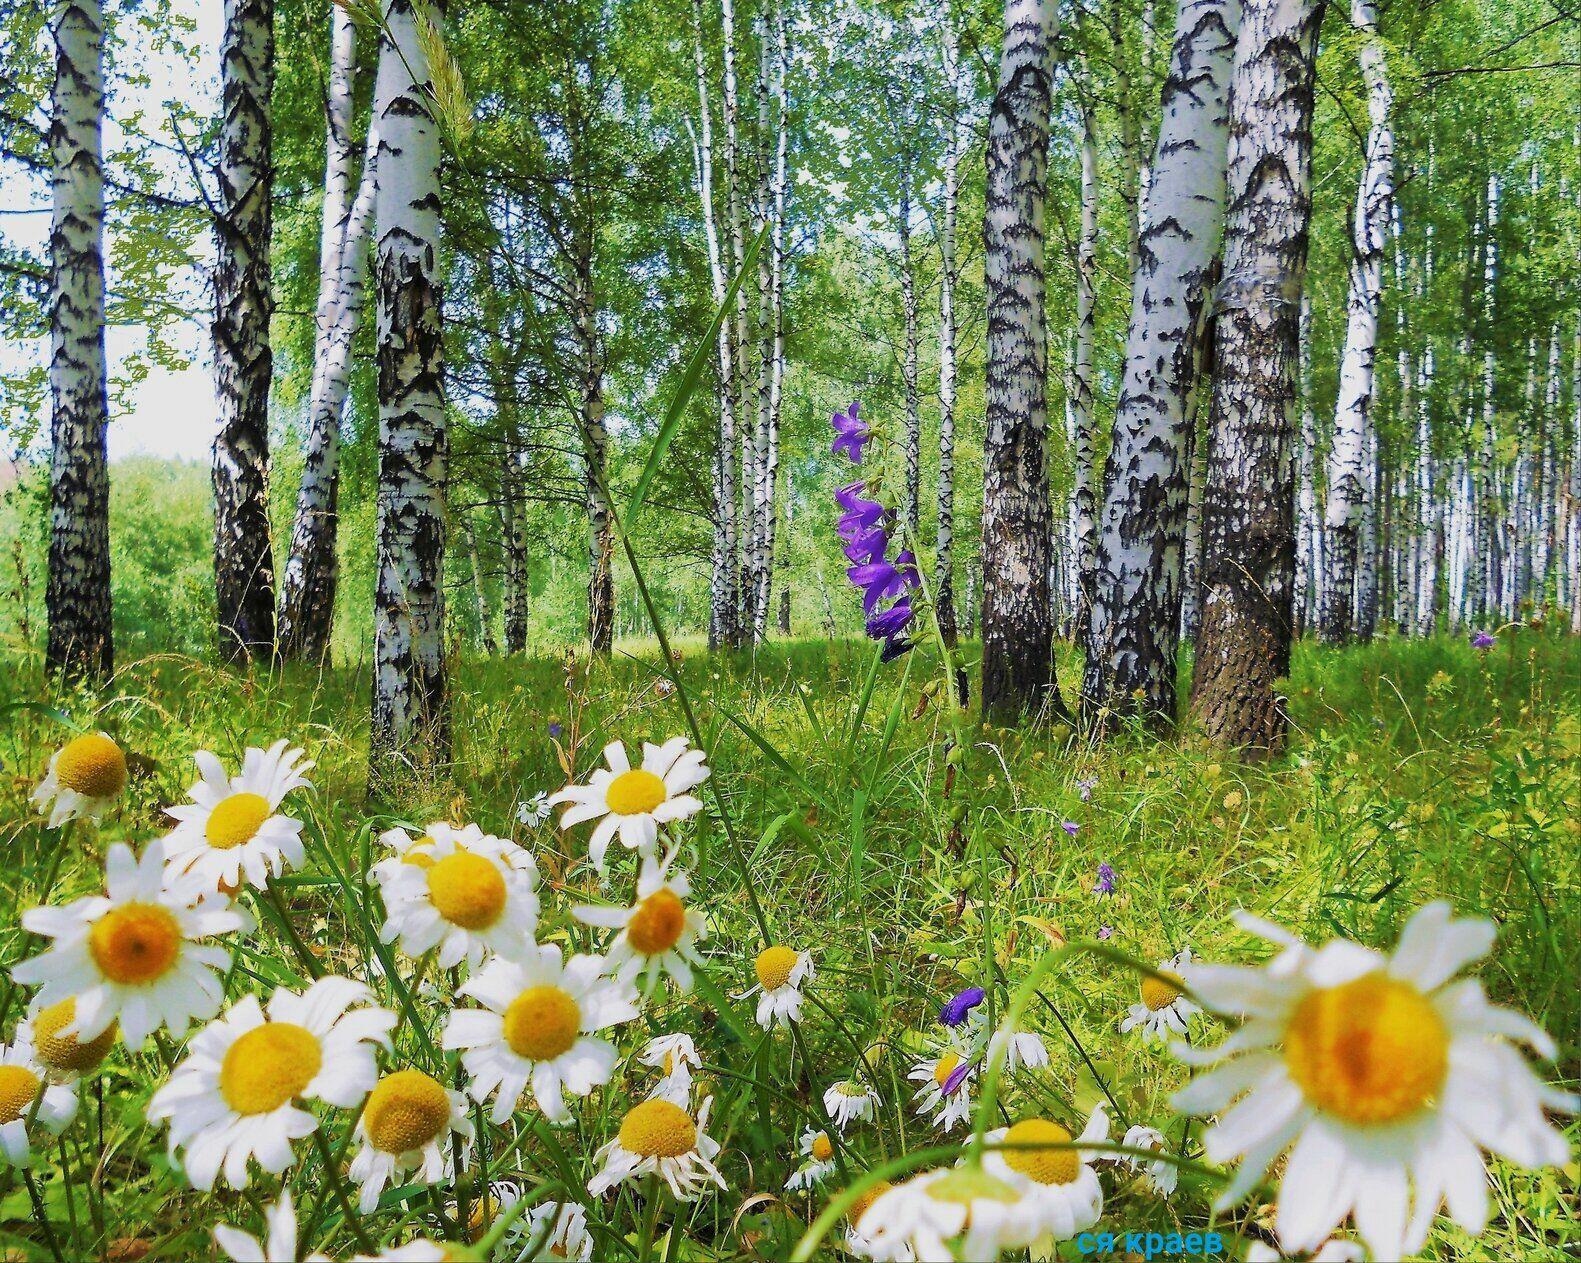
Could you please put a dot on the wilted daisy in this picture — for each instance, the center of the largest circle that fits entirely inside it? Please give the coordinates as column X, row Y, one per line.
column 781, row 971
column 1383, row 1076
column 463, row 891
column 22, row 1080
column 230, row 833
column 1161, row 1176
column 962, row 1212
column 279, row 1243
column 84, row 778
column 1059, row 1190
column 674, row 1056
column 537, row 1028
column 1165, row 1009
column 657, row 932
column 660, row 1138
column 132, row 954
column 549, row 1232
column 817, row 1165
column 535, row 810
column 634, row 802
column 850, row 1102
column 946, row 1094
column 406, row 1126
column 235, row 1095
column 64, row 1057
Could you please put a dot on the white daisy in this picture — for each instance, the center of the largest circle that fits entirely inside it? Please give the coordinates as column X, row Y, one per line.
column 961, row 1212
column 22, row 1079
column 849, row 1101
column 405, row 1127
column 635, row 801
column 234, row 1095
column 660, row 1138
column 1165, row 1009
column 84, row 778
column 279, row 1243
column 537, row 1027
column 675, row 1056
column 1024, row 1050
column 463, row 891
column 1383, row 1076
column 229, row 834
column 550, row 1231
column 1161, row 1176
column 65, row 1058
column 946, row 1094
column 781, row 971
column 857, row 1242
column 1334, row 1250
column 419, row 1251
column 657, row 933
column 132, row 954
column 534, row 812
column 1058, row 1187
column 817, row 1165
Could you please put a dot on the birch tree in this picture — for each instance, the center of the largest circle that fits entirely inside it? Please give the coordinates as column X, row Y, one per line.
column 954, row 142
column 243, row 359
column 1083, row 544
column 1349, row 477
column 307, row 584
column 1135, row 613
column 81, row 639
column 1018, row 668
column 1243, row 646
column 411, row 705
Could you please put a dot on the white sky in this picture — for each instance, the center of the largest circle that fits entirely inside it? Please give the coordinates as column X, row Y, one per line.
column 169, row 414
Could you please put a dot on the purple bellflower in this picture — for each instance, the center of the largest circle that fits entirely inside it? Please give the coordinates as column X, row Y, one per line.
column 1484, row 640
column 958, row 1006
column 1106, row 879
column 864, row 527
column 849, row 434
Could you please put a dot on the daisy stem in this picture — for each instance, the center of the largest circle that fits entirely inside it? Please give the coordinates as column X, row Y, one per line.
column 40, row 1217
column 1102, row 1083
column 829, row 1129
column 650, row 1218
column 342, row 1195
column 282, row 917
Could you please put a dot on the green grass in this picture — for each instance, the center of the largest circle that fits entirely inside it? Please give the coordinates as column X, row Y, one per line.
column 1418, row 770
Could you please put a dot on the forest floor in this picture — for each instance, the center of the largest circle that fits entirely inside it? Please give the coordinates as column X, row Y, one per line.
column 1418, row 770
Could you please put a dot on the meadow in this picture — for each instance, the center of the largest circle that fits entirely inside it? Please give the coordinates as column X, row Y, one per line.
column 838, row 822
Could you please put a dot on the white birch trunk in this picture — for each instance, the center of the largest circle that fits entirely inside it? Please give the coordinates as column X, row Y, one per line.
column 411, row 706
column 1485, row 599
column 954, row 142
column 1018, row 675
column 1136, row 606
column 911, row 509
column 77, row 594
column 1348, row 475
column 1084, row 543
column 480, row 599
column 307, row 584
column 243, row 359
column 742, row 621
column 1308, row 567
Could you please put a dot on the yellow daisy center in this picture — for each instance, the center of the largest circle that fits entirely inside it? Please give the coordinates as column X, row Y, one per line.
column 1369, row 1051
column 1160, row 993
column 542, row 1023
column 235, row 821
column 93, row 765
column 965, row 1185
column 864, row 1200
column 774, row 967
column 268, row 1066
column 944, row 1067
column 635, row 793
column 1050, row 1165
column 822, row 1150
column 18, row 1090
column 658, row 1129
column 418, row 854
column 135, row 943
column 64, row 1052
column 466, row 890
column 405, row 1111
column 656, row 926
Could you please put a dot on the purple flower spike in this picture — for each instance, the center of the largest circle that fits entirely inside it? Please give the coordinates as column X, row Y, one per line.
column 868, row 546
column 849, row 434
column 1071, row 827
column 1085, row 787
column 960, row 1004
column 891, row 622
column 957, row 1077
column 861, row 514
column 1106, row 880
column 1484, row 640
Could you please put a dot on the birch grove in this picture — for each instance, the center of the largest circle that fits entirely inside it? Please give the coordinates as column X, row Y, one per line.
column 81, row 639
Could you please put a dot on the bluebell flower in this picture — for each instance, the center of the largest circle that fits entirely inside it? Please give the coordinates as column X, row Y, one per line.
column 1484, row 640
column 849, row 434
column 1106, row 879
column 1070, row 827
column 958, row 1006
column 1085, row 786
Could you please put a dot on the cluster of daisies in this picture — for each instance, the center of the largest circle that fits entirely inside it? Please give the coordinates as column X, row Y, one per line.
column 1368, row 1087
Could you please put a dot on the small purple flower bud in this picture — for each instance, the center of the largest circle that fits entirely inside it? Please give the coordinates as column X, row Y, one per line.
column 960, row 1004
column 1484, row 640
column 956, row 1077
column 1071, row 827
column 1085, row 787
column 1105, row 932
